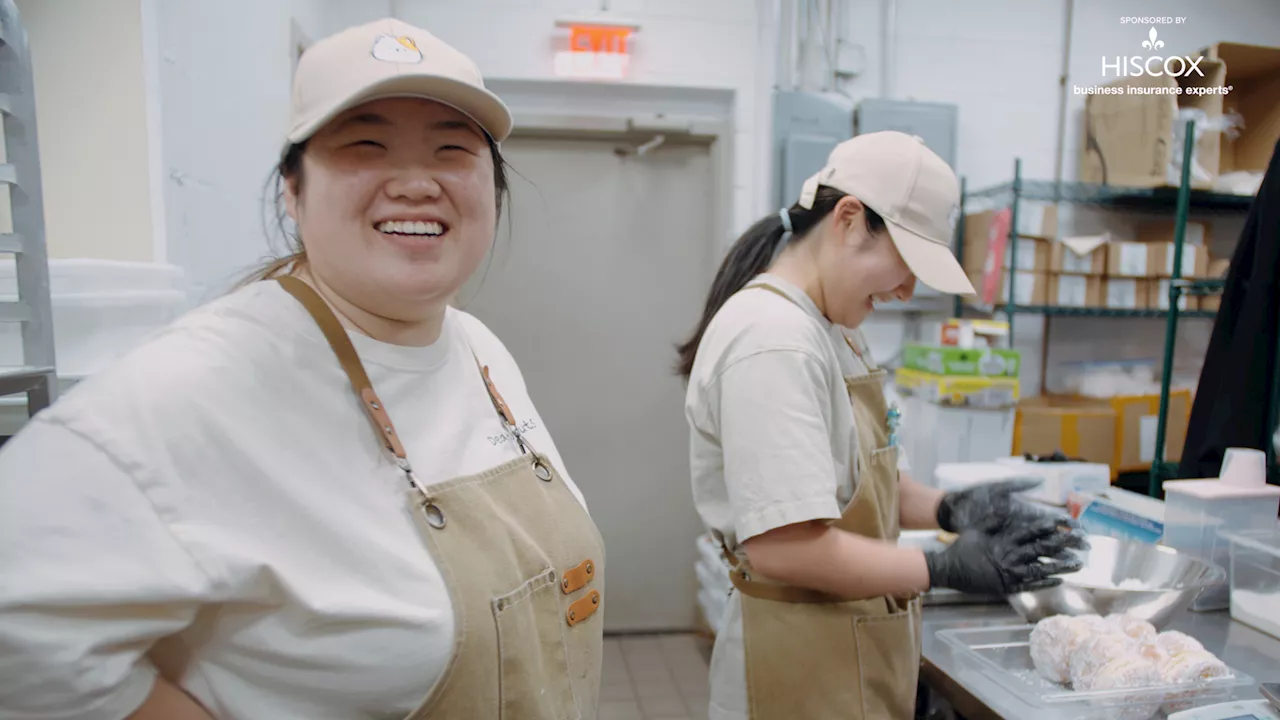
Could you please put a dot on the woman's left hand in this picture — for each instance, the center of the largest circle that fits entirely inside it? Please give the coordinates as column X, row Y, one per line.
column 991, row 507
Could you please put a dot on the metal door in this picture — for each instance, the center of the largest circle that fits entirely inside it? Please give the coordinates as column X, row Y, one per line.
column 601, row 266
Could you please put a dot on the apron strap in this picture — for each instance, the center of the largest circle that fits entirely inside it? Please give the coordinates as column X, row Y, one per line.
column 336, row 335
column 349, row 359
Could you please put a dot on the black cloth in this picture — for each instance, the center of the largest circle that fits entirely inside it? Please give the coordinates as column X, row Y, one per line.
column 1233, row 400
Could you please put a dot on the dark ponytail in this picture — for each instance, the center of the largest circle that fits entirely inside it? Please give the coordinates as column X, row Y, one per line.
column 751, row 255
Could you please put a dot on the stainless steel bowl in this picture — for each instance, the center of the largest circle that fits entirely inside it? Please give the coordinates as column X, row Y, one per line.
column 1170, row 580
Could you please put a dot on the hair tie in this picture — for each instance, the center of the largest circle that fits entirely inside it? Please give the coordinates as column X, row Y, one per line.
column 785, row 214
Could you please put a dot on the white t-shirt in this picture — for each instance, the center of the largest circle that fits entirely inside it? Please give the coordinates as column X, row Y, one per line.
column 223, row 484
column 773, row 440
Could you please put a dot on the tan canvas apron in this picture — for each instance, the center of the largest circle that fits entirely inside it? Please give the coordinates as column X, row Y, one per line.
column 814, row 656
column 523, row 563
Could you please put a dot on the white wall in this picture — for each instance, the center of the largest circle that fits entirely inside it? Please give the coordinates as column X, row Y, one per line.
column 224, row 86
column 92, row 125
column 703, row 44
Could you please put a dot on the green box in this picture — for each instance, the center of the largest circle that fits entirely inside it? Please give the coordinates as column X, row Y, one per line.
column 961, row 362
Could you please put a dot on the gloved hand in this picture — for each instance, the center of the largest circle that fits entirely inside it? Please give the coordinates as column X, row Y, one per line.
column 992, row 507
column 1004, row 562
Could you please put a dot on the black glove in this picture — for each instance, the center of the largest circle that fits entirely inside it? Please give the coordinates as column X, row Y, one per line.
column 992, row 507
column 1005, row 562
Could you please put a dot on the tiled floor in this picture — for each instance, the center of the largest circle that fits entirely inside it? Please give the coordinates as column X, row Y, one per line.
column 653, row 677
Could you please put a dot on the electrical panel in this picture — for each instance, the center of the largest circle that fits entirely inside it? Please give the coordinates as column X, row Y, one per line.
column 806, row 128
column 935, row 123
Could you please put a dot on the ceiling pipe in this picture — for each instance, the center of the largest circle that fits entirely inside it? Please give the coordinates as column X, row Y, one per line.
column 784, row 21
column 1063, row 95
column 888, row 47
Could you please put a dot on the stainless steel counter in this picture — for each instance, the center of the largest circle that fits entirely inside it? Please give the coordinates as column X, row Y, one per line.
column 975, row 695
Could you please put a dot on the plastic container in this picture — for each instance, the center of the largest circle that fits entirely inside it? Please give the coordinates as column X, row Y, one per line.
column 89, row 331
column 101, row 309
column 1255, row 578
column 1199, row 512
column 87, row 276
column 1004, row 655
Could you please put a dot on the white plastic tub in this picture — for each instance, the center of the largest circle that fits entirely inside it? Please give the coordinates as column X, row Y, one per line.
column 102, row 309
column 85, row 276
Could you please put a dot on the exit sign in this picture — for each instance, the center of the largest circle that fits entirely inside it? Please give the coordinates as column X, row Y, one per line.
column 597, row 50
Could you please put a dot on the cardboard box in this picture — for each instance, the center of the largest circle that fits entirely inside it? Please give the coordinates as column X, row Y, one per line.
column 1078, row 428
column 1033, row 255
column 1076, row 291
column 1195, row 260
column 1162, row 231
column 980, row 362
column 1159, row 297
column 1128, row 259
column 1130, row 136
column 1219, row 268
column 1136, row 417
column 984, row 392
column 1253, row 74
column 1081, row 255
column 1038, row 219
column 1209, row 303
column 1029, row 288
column 987, row 232
column 1126, row 294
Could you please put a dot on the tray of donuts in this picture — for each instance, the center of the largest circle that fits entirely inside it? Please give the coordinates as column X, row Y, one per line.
column 1116, row 661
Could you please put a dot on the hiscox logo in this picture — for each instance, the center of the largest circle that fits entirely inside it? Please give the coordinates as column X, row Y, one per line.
column 1154, row 65
column 1185, row 71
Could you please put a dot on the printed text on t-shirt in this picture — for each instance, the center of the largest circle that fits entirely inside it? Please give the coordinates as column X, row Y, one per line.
column 524, row 427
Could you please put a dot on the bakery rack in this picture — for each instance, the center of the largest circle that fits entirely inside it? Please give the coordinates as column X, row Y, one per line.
column 1179, row 202
column 20, row 172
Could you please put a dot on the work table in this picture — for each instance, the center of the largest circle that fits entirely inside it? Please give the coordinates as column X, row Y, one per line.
column 976, row 696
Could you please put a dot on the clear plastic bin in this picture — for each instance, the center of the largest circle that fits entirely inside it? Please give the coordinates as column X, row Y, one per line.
column 1003, row 654
column 1255, row 578
column 1198, row 514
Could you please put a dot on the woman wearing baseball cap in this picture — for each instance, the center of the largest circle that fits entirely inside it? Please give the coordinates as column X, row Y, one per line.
column 795, row 456
column 327, row 494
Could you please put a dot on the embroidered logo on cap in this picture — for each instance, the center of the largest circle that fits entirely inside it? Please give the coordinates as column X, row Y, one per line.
column 392, row 49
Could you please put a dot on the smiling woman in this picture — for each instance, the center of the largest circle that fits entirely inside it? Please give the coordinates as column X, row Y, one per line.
column 229, row 522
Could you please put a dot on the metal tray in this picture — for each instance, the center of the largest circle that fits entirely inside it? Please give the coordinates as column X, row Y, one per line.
column 1004, row 654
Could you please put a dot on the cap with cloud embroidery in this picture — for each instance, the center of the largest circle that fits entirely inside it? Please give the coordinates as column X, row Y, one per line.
column 914, row 190
column 388, row 58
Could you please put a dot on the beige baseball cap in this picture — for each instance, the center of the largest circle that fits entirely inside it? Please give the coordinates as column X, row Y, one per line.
column 388, row 58
column 913, row 189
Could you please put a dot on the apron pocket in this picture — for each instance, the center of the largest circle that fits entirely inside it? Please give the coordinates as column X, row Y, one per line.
column 533, row 664
column 801, row 659
column 889, row 663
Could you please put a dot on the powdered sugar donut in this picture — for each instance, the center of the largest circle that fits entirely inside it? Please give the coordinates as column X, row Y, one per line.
column 1052, row 641
column 1055, row 639
column 1123, row 671
column 1172, row 642
column 1095, row 652
column 1134, row 627
column 1193, row 666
